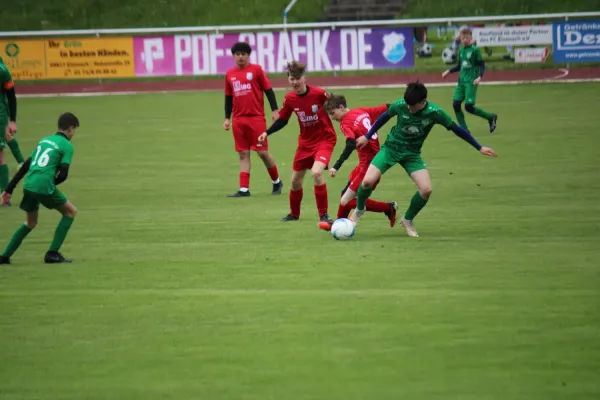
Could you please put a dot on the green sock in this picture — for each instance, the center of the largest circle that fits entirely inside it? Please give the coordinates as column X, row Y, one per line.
column 363, row 195
column 16, row 240
column 61, row 233
column 416, row 204
column 3, row 177
column 460, row 116
column 483, row 114
column 16, row 151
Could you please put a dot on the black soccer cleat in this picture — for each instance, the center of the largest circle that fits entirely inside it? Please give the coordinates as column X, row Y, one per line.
column 289, row 218
column 325, row 218
column 239, row 193
column 492, row 121
column 54, row 257
column 277, row 187
column 4, row 260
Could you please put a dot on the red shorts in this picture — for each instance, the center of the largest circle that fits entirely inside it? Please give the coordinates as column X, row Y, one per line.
column 306, row 156
column 246, row 131
column 356, row 177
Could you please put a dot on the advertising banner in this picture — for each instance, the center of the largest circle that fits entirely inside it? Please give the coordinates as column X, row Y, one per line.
column 513, row 35
column 322, row 50
column 531, row 55
column 577, row 41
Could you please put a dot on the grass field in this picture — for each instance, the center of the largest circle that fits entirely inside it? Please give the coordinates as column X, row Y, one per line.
column 177, row 292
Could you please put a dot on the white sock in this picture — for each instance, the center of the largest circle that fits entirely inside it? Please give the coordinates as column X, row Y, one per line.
column 243, row 189
column 276, row 181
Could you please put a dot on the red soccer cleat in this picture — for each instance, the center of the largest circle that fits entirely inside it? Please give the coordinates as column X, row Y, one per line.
column 391, row 213
column 325, row 225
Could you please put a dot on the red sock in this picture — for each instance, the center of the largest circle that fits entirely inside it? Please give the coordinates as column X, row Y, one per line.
column 344, row 211
column 377, row 206
column 273, row 173
column 321, row 196
column 295, row 201
column 244, row 180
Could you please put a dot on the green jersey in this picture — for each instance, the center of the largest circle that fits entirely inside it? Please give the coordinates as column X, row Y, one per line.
column 411, row 130
column 46, row 159
column 469, row 60
column 6, row 82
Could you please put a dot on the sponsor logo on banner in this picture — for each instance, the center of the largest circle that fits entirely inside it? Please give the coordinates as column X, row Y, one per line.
column 531, row 55
column 24, row 58
column 321, row 50
column 577, row 41
column 513, row 35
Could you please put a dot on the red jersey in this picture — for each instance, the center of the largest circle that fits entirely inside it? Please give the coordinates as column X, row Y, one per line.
column 356, row 123
column 315, row 125
column 247, row 85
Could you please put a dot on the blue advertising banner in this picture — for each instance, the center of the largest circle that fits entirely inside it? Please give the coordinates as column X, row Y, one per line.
column 576, row 41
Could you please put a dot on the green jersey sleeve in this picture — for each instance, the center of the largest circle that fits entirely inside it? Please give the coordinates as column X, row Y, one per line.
column 394, row 108
column 67, row 155
column 477, row 55
column 5, row 76
column 441, row 117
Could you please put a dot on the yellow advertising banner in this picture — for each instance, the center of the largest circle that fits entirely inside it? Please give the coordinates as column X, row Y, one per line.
column 69, row 58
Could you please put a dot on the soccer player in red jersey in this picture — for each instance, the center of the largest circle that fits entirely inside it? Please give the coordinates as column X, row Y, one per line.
column 315, row 143
column 244, row 87
column 355, row 123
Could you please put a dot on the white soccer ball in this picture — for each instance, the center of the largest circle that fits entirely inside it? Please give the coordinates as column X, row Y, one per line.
column 342, row 229
column 425, row 50
column 449, row 56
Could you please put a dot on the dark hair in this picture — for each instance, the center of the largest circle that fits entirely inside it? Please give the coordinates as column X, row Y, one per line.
column 67, row 120
column 241, row 47
column 334, row 101
column 415, row 93
column 295, row 69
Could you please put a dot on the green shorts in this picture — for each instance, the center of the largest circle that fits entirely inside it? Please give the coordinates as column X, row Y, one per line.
column 31, row 200
column 387, row 158
column 465, row 92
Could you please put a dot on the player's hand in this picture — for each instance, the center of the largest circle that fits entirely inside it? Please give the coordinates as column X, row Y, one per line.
column 361, row 142
column 262, row 138
column 227, row 124
column 275, row 115
column 445, row 73
column 476, row 81
column 12, row 127
column 486, row 151
column 5, row 197
column 332, row 172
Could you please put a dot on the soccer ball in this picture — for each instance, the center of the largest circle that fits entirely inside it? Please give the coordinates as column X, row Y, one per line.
column 425, row 50
column 449, row 56
column 342, row 229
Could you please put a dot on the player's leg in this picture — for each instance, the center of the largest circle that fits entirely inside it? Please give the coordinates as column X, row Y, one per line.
column 13, row 145
column 68, row 211
column 349, row 202
column 457, row 98
column 3, row 166
column 30, row 205
column 242, row 147
column 296, row 192
column 258, row 127
column 470, row 99
column 320, row 189
column 417, row 170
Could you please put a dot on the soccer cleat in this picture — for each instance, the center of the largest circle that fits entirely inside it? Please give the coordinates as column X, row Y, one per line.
column 391, row 213
column 4, row 260
column 325, row 218
column 54, row 257
column 240, row 193
column 325, row 225
column 277, row 187
column 5, row 204
column 289, row 218
column 409, row 226
column 492, row 121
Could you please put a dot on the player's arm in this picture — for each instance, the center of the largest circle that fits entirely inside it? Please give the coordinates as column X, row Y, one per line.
column 479, row 61
column 268, row 89
column 11, row 97
column 282, row 120
column 228, row 103
column 380, row 122
column 63, row 169
column 18, row 176
column 465, row 135
column 350, row 147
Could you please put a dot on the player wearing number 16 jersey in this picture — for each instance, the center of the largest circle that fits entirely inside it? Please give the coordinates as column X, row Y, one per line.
column 47, row 167
column 315, row 143
column 355, row 123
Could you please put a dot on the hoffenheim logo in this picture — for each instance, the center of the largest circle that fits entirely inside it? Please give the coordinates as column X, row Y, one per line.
column 393, row 47
column 315, row 108
column 249, row 76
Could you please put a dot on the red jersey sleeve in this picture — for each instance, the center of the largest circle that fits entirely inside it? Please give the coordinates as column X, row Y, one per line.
column 286, row 109
column 263, row 80
column 228, row 88
column 347, row 128
column 375, row 112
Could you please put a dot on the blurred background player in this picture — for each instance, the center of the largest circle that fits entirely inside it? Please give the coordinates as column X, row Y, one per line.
column 47, row 167
column 471, row 67
column 355, row 123
column 316, row 141
column 8, row 125
column 415, row 117
column 244, row 87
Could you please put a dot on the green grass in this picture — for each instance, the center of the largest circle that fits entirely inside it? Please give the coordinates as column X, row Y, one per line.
column 179, row 293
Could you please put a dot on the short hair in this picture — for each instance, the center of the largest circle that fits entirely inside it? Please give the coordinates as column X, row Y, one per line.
column 241, row 47
column 415, row 93
column 296, row 69
column 466, row 31
column 334, row 101
column 67, row 120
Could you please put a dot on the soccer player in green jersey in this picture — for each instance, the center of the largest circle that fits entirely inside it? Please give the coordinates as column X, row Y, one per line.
column 47, row 167
column 415, row 117
column 471, row 67
column 8, row 125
